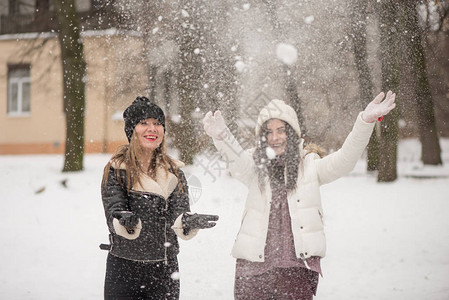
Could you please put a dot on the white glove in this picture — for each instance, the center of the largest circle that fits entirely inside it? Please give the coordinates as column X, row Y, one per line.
column 215, row 126
column 377, row 108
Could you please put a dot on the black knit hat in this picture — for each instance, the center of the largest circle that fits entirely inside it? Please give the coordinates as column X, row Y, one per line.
column 139, row 110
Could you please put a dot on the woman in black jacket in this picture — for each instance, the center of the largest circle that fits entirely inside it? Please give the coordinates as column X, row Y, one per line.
column 146, row 203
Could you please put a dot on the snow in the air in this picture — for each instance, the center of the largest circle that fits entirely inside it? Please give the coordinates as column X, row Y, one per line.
column 240, row 66
column 271, row 154
column 385, row 240
column 309, row 19
column 286, row 53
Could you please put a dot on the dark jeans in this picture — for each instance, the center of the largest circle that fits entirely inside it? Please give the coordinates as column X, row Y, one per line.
column 279, row 283
column 132, row 280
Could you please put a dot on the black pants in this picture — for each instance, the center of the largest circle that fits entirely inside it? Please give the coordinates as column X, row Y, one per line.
column 132, row 280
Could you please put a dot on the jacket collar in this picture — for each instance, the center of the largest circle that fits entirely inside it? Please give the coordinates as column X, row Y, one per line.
column 164, row 183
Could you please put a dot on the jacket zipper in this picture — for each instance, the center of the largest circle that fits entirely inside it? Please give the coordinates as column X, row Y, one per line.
column 165, row 233
column 165, row 243
column 304, row 259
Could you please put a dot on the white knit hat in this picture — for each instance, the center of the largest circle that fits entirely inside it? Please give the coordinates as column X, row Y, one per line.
column 277, row 109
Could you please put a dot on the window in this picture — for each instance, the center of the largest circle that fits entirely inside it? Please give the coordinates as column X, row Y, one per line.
column 19, row 84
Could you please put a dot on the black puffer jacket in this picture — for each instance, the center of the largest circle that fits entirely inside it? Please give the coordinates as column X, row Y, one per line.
column 157, row 204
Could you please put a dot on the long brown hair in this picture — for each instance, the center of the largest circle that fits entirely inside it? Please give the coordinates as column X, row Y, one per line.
column 292, row 158
column 128, row 155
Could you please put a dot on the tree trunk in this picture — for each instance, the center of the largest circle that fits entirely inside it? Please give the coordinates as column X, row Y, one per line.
column 218, row 65
column 152, row 82
column 293, row 97
column 389, row 28
column 430, row 145
column 167, row 87
column 366, row 86
column 289, row 75
column 188, row 80
column 73, row 69
column 187, row 91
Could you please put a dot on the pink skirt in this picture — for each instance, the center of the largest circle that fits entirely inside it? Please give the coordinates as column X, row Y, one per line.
column 278, row 283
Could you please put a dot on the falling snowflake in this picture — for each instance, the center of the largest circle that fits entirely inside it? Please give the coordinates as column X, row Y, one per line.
column 175, row 276
column 270, row 153
column 286, row 53
column 309, row 19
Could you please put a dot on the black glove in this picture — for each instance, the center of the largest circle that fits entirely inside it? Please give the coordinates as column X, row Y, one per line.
column 127, row 219
column 197, row 221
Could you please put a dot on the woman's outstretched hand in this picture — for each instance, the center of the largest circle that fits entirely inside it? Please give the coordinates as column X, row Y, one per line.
column 197, row 221
column 377, row 108
column 214, row 125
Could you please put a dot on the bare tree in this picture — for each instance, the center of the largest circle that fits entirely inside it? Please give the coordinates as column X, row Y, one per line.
column 199, row 73
column 205, row 75
column 289, row 78
column 73, row 70
column 390, row 56
column 430, row 145
column 218, row 87
column 190, row 73
column 366, row 86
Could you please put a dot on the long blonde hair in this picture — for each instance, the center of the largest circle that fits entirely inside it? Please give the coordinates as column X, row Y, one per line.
column 128, row 155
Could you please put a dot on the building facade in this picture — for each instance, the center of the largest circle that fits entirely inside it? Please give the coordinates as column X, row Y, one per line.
column 32, row 118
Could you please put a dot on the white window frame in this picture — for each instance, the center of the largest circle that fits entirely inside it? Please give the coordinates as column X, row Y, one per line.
column 19, row 81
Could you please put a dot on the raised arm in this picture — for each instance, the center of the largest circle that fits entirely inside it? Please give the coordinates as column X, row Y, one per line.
column 343, row 161
column 377, row 108
column 239, row 161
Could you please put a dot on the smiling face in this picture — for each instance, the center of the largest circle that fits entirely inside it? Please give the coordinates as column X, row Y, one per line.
column 149, row 133
column 276, row 135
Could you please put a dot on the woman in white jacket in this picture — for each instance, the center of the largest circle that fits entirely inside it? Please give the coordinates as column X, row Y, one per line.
column 281, row 238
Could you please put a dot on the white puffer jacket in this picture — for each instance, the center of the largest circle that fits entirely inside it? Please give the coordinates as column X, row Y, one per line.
column 304, row 204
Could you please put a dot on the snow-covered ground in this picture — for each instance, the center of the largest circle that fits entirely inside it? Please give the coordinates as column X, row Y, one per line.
column 385, row 241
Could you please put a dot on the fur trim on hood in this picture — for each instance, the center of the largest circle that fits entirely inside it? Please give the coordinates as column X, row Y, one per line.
column 314, row 148
column 308, row 148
